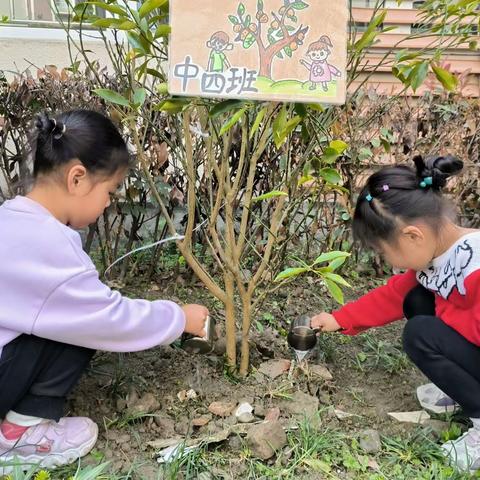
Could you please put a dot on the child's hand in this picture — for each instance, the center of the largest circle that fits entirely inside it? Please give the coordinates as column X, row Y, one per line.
column 325, row 322
column 196, row 316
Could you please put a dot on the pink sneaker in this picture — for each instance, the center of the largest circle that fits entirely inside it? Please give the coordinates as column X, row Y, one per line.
column 49, row 444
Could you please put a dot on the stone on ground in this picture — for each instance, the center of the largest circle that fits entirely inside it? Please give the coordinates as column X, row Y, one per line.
column 370, row 441
column 221, row 409
column 274, row 368
column 265, row 439
column 146, row 404
column 301, row 405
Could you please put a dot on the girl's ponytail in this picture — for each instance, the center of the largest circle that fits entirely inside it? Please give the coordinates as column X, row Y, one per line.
column 82, row 135
column 439, row 169
column 399, row 195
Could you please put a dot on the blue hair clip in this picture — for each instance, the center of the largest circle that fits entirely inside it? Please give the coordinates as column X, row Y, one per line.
column 368, row 198
column 426, row 182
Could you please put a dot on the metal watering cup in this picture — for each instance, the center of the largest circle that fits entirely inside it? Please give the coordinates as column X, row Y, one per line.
column 201, row 345
column 301, row 336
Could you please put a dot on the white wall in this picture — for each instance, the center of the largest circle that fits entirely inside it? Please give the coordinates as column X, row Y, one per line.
column 22, row 46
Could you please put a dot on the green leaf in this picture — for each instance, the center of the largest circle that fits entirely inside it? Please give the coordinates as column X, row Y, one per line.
column 329, row 256
column 127, row 25
column 107, row 22
column 162, row 31
column 139, row 96
column 339, row 145
column 289, row 273
column 272, row 194
column 288, row 51
column 162, row 88
column 260, row 5
column 230, row 123
column 418, row 75
column 446, row 78
column 109, row 8
column 279, row 123
column 234, row 19
column 172, row 106
column 317, row 107
column 371, row 32
column 225, row 106
column 241, row 9
column 329, row 155
column 299, row 5
column 331, row 175
column 337, row 279
column 337, row 263
column 258, row 120
column 112, row 96
column 335, row 291
column 150, row 5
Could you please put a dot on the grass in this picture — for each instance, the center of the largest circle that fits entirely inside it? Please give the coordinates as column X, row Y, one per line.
column 381, row 354
column 295, row 87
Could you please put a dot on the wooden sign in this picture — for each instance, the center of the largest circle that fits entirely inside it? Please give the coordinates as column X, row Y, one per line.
column 277, row 50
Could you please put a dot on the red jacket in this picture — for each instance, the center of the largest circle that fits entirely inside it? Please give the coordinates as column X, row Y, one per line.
column 454, row 278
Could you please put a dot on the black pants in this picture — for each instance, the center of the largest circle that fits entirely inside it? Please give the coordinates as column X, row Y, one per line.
column 36, row 375
column 448, row 359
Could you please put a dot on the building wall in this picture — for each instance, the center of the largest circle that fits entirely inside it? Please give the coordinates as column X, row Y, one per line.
column 406, row 17
column 24, row 45
column 23, row 48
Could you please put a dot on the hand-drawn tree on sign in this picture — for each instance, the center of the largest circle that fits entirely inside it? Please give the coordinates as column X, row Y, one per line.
column 283, row 37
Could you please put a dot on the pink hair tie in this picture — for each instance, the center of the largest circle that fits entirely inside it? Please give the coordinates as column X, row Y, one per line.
column 385, row 188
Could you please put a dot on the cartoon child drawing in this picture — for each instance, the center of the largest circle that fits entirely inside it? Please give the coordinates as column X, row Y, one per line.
column 219, row 43
column 320, row 70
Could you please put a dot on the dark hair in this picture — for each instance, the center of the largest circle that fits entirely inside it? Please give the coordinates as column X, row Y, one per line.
column 79, row 134
column 403, row 194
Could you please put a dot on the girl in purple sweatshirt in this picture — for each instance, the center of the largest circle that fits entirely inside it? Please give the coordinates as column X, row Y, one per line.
column 54, row 310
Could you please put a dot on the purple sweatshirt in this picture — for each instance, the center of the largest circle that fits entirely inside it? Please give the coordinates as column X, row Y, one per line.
column 50, row 288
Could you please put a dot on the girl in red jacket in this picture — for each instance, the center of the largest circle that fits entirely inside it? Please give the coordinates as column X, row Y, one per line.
column 402, row 214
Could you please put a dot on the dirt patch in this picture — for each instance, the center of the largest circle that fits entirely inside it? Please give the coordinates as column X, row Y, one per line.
column 370, row 379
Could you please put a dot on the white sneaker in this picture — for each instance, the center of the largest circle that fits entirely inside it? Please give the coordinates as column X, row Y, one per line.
column 464, row 452
column 433, row 399
column 49, row 444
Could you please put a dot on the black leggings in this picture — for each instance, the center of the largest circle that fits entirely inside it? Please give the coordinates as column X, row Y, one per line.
column 36, row 375
column 447, row 358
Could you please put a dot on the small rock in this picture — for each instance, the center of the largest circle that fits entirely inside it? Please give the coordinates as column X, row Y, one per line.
column 246, row 418
column 321, row 371
column 435, row 428
column 185, row 395
column 370, row 441
column 182, row 426
column 147, row 404
column 221, row 409
column 259, row 410
column 341, row 415
column 272, row 415
column 420, row 416
column 166, row 425
column 235, row 443
column 231, row 421
column 243, row 408
column 274, row 368
column 123, row 438
column 201, row 421
column 132, row 397
column 265, row 439
column 301, row 404
column 324, row 398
